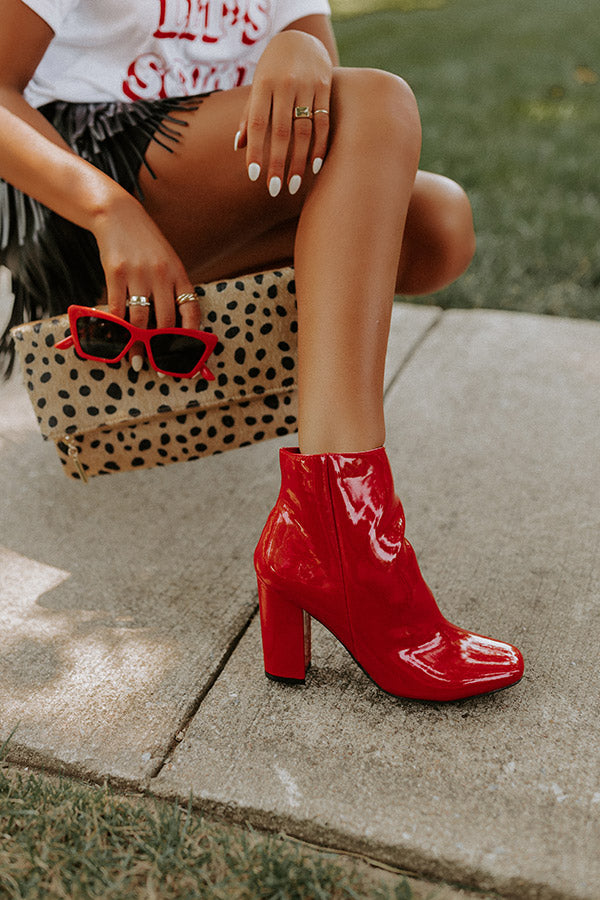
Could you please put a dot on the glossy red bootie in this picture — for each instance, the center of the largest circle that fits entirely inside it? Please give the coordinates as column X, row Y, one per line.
column 334, row 548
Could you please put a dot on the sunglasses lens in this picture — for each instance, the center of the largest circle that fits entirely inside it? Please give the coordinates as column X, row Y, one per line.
column 101, row 338
column 177, row 353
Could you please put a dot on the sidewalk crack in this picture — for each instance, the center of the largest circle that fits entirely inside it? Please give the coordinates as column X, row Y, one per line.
column 189, row 715
column 413, row 350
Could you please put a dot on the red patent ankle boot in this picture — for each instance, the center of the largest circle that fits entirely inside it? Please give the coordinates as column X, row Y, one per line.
column 334, row 548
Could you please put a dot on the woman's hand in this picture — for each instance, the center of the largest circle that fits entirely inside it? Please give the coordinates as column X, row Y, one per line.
column 295, row 70
column 139, row 261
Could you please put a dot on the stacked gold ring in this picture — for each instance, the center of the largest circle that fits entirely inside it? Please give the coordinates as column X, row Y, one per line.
column 324, row 111
column 186, row 297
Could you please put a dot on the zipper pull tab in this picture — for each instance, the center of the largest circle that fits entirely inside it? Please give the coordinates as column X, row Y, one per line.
column 74, row 455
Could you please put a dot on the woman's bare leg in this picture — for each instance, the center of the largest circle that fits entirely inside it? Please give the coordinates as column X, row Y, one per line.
column 348, row 224
column 439, row 240
column 218, row 221
column 347, row 252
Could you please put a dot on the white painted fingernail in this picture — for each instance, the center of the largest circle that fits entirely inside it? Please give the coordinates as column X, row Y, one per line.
column 253, row 171
column 294, row 185
column 236, row 139
column 136, row 363
column 161, row 374
column 274, row 186
column 317, row 163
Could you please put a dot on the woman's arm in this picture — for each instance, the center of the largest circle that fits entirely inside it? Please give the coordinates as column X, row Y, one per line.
column 35, row 159
column 33, row 156
column 23, row 28
column 295, row 70
column 319, row 27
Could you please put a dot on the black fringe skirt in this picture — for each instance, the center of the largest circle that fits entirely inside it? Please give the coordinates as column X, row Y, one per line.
column 53, row 262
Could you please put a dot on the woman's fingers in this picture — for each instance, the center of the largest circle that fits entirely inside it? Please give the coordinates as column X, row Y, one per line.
column 299, row 133
column 283, row 137
column 189, row 307
column 153, row 290
column 163, row 297
column 139, row 303
column 241, row 136
column 259, row 116
column 116, row 293
column 321, row 123
column 303, row 133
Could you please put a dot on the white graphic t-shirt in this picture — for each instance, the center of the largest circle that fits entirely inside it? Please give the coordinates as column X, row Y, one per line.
column 147, row 49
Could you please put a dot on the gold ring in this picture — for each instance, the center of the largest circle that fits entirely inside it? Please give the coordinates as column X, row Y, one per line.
column 325, row 111
column 186, row 297
column 302, row 112
column 139, row 300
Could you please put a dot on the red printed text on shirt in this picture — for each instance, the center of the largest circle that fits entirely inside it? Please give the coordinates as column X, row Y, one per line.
column 198, row 23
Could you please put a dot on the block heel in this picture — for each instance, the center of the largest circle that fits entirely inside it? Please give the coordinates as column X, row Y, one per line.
column 285, row 630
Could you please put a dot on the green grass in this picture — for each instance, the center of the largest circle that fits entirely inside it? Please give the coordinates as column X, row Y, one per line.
column 509, row 96
column 63, row 839
column 341, row 8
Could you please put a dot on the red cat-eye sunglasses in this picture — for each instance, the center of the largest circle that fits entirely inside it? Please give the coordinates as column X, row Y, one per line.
column 181, row 352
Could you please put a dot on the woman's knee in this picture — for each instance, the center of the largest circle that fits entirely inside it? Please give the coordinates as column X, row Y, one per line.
column 439, row 239
column 377, row 109
column 455, row 232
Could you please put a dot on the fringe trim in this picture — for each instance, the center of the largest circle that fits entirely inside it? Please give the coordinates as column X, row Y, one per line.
column 53, row 262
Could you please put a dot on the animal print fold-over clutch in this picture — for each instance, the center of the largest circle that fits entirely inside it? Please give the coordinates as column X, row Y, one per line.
column 106, row 418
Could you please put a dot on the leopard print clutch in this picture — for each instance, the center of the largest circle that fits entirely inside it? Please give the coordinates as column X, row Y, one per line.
column 107, row 418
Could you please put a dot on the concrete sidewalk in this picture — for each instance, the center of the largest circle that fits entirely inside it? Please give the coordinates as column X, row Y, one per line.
column 131, row 648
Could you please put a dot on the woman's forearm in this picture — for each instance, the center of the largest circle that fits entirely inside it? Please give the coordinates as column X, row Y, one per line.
column 36, row 160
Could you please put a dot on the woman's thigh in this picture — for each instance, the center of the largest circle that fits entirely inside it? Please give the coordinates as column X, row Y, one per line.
column 219, row 221
column 222, row 224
